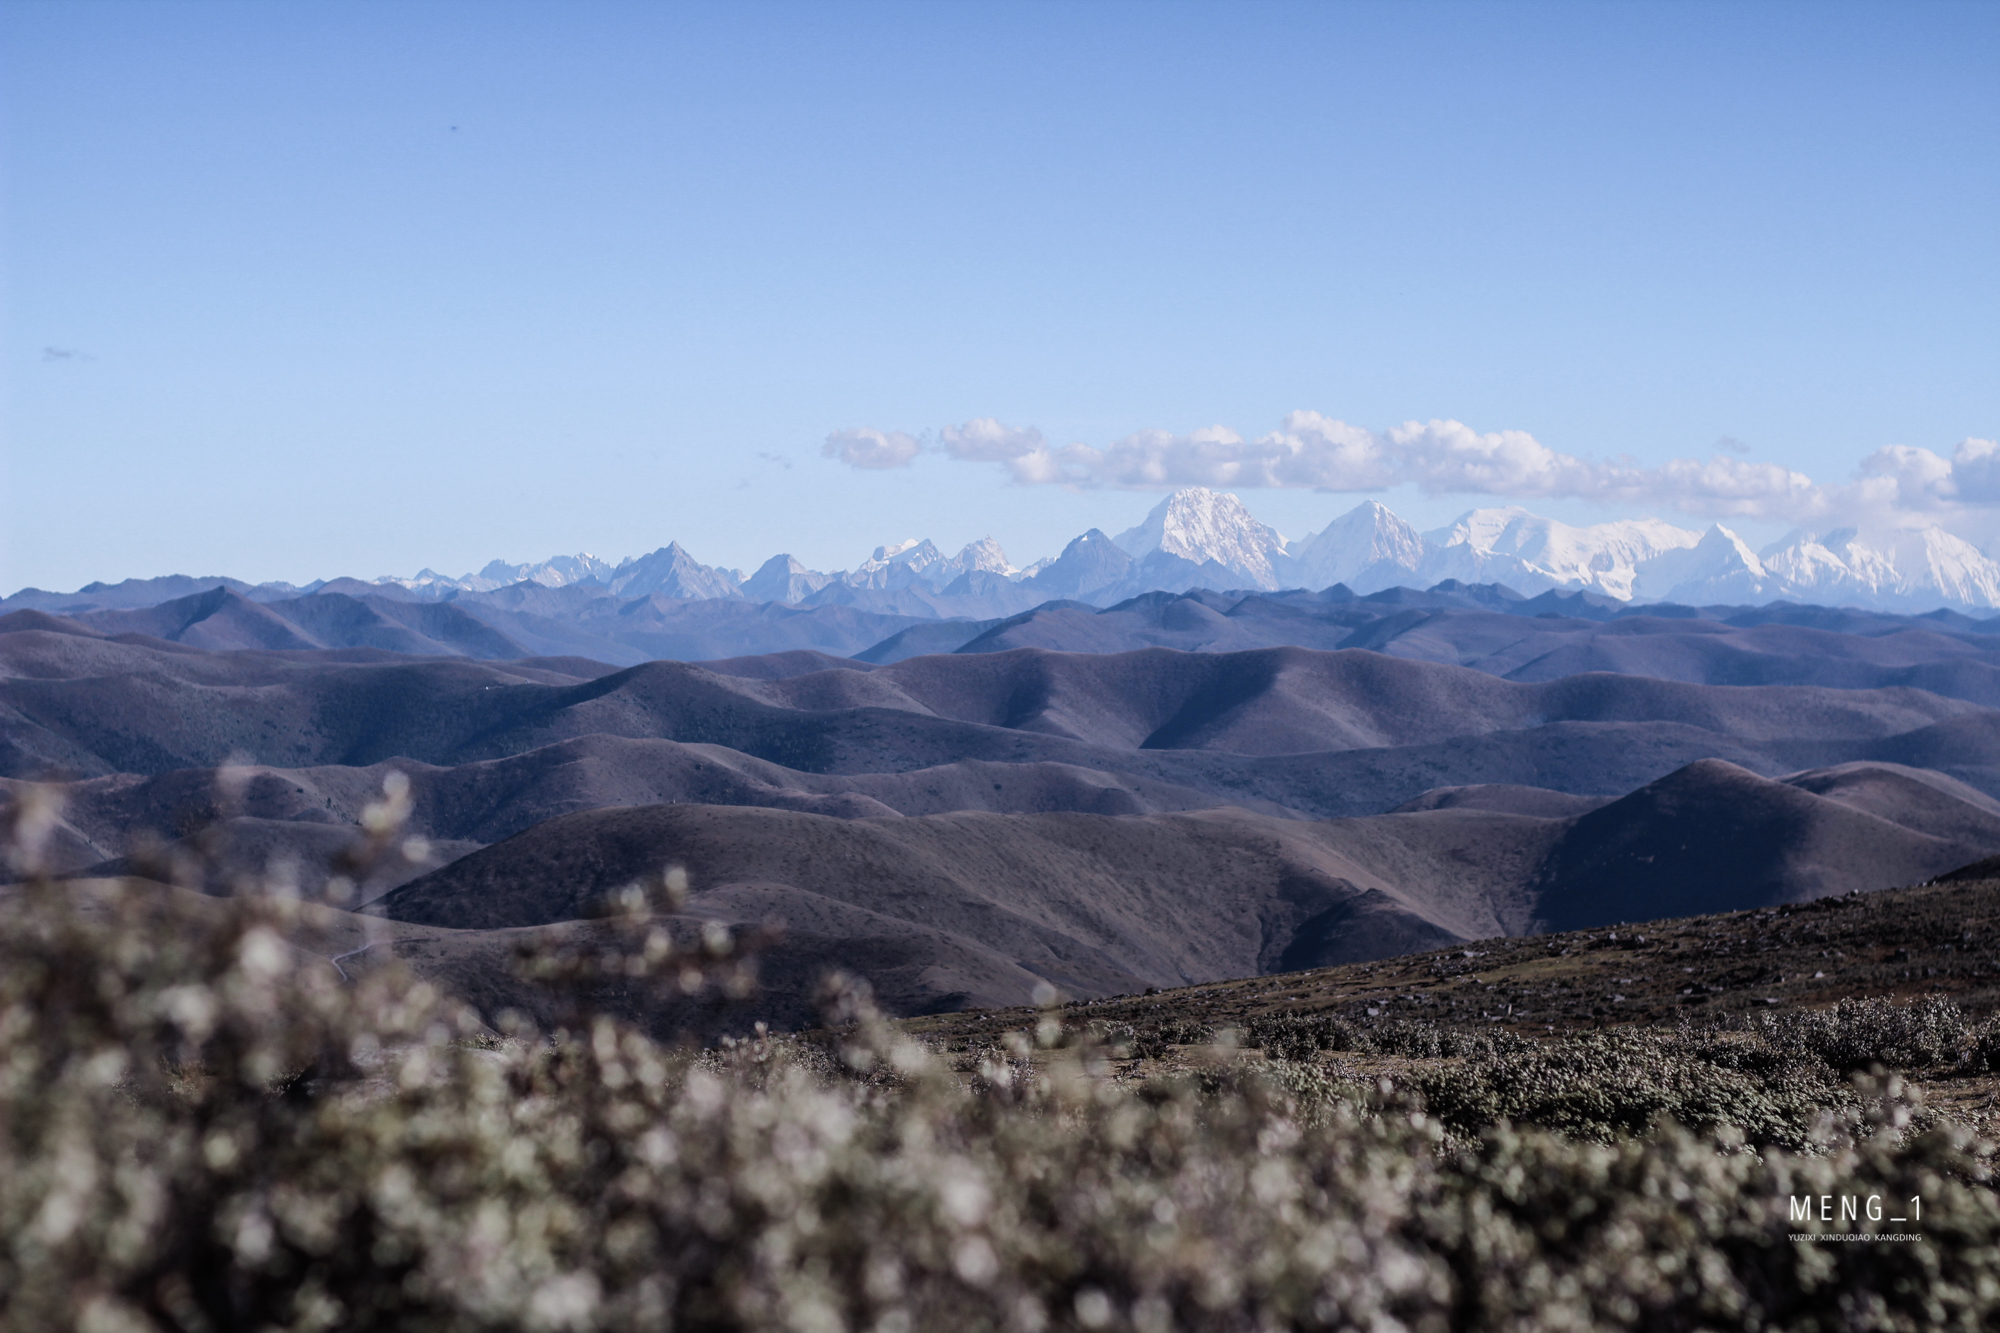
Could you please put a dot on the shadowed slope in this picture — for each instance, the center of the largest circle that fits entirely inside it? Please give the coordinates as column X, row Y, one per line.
column 1099, row 905
column 1715, row 837
column 1292, row 700
column 1093, row 904
column 1284, row 731
column 1539, row 639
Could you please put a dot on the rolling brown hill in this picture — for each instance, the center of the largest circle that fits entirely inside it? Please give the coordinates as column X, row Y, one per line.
column 1779, row 645
column 958, row 826
column 524, row 620
column 98, row 706
column 967, row 909
column 221, row 620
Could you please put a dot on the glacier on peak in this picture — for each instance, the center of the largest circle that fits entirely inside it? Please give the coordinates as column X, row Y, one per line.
column 1368, row 548
column 1905, row 567
column 896, row 565
column 1930, row 560
column 558, row 571
column 984, row 554
column 1533, row 554
column 1201, row 526
column 1720, row 567
column 919, row 562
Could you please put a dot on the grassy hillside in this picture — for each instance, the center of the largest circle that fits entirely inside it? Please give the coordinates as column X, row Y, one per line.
column 1939, row 939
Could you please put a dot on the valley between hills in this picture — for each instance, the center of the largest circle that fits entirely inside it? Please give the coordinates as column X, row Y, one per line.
column 965, row 828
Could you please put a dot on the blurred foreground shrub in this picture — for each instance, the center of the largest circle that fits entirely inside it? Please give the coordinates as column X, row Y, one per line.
column 201, row 1129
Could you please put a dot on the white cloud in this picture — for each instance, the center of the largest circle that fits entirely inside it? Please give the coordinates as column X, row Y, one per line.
column 984, row 440
column 872, row 448
column 1975, row 470
column 1312, row 451
column 1902, row 477
column 1906, row 478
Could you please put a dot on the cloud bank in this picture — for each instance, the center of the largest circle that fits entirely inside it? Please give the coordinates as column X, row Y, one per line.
column 872, row 448
column 1313, row 451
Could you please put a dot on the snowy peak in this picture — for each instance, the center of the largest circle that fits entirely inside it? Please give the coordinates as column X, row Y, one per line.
column 1931, row 563
column 1801, row 560
column 558, row 571
column 1200, row 526
column 898, row 565
column 428, row 584
column 672, row 572
column 1913, row 568
column 1368, row 548
column 1721, row 545
column 1203, row 538
column 1718, row 568
column 783, row 579
column 1532, row 554
column 983, row 554
column 914, row 563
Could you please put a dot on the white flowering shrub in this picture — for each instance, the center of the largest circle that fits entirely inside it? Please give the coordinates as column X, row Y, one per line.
column 1855, row 1034
column 201, row 1131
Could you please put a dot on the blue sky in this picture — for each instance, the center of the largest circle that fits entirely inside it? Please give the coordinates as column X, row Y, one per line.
column 298, row 290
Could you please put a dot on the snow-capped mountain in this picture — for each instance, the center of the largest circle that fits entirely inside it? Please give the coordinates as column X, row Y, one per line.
column 783, row 579
column 1202, row 538
column 1912, row 568
column 984, row 554
column 913, row 563
column 557, row 571
column 1532, row 554
column 1202, row 526
column 1720, row 568
column 1368, row 548
column 672, row 572
column 897, row 565
column 1802, row 560
column 1930, row 562
column 427, row 583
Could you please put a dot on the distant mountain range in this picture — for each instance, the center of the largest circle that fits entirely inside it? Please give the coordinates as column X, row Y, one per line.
column 1199, row 538
column 1488, row 627
column 1194, row 750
